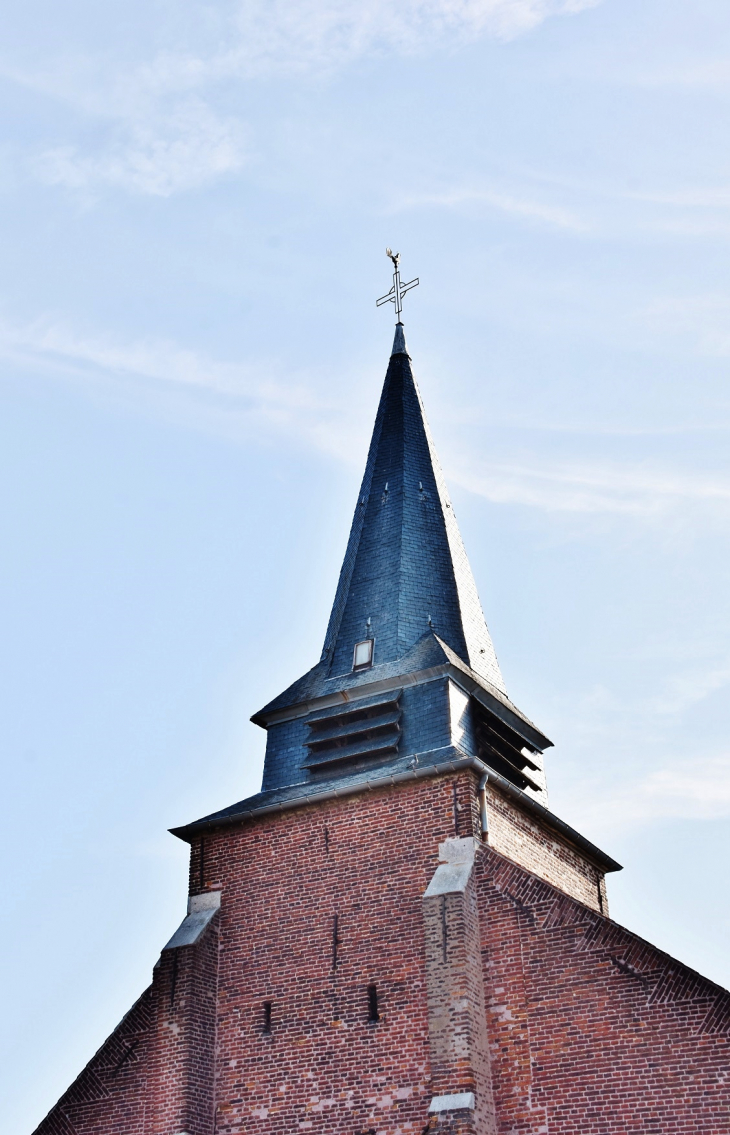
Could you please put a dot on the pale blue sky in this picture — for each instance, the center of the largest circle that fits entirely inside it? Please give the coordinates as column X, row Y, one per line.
column 196, row 198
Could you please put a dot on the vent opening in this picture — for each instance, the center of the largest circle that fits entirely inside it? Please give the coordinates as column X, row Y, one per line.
column 355, row 732
column 373, row 1014
column 502, row 749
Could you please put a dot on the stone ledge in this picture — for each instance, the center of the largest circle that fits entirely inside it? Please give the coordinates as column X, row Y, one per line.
column 201, row 911
column 458, row 1102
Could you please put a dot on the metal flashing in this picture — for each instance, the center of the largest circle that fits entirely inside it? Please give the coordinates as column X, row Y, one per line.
column 354, row 705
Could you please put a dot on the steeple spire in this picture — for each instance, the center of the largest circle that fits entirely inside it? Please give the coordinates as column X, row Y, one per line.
column 408, row 677
column 405, row 568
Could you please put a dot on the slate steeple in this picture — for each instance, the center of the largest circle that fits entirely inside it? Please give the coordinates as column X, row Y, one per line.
column 408, row 677
column 405, row 570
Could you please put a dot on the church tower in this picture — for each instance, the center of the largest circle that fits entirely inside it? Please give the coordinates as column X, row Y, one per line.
column 397, row 935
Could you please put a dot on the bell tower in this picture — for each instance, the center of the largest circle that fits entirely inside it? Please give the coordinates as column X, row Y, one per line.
column 396, row 935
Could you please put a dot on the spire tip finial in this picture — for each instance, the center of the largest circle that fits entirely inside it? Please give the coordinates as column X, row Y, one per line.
column 399, row 289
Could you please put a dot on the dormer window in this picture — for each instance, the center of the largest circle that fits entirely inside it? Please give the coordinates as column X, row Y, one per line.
column 363, row 655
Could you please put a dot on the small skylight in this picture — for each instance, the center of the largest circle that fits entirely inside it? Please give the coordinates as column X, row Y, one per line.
column 363, row 656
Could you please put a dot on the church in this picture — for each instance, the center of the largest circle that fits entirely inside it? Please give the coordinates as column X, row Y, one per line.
column 396, row 935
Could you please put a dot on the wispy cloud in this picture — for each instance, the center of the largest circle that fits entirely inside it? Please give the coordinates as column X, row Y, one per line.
column 697, row 789
column 560, row 486
column 687, row 689
column 707, row 73
column 157, row 155
column 591, row 207
column 689, row 197
column 301, row 35
column 249, row 39
column 643, row 739
column 232, row 399
column 505, row 202
column 238, row 397
column 160, row 133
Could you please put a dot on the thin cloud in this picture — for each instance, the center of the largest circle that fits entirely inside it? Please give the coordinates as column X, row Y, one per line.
column 703, row 319
column 689, row 689
column 230, row 399
column 595, row 488
column 685, row 210
column 690, row 197
column 501, row 201
column 264, row 37
column 238, row 398
column 302, row 35
column 697, row 789
column 708, row 74
column 163, row 135
column 158, row 157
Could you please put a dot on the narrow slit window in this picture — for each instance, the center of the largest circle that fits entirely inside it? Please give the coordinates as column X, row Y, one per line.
column 267, row 1017
column 373, row 1014
column 363, row 656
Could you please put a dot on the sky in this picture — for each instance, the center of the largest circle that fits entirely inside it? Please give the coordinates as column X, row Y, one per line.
column 196, row 200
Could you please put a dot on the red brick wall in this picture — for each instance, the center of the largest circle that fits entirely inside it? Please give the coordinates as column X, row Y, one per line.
column 521, row 838
column 325, row 1068
column 181, row 1068
column 459, row 1044
column 154, row 1075
column 111, row 1092
column 591, row 1030
column 284, row 878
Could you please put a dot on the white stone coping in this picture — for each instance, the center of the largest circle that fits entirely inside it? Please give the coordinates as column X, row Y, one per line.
column 210, row 900
column 452, row 874
column 459, row 850
column 457, row 1102
column 201, row 909
column 448, row 879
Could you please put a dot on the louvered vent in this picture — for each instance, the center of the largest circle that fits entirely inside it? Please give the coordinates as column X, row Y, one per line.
column 355, row 732
column 504, row 750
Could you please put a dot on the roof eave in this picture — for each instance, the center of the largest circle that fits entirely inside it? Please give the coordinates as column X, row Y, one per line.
column 216, row 822
column 471, row 682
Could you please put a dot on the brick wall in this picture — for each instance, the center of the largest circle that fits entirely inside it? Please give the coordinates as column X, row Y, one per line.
column 458, row 1041
column 590, row 1030
column 154, row 1075
column 110, row 1094
column 516, row 835
column 182, row 1064
column 593, row 1031
column 318, row 905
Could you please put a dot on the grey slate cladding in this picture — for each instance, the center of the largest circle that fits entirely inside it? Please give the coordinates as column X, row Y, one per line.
column 431, row 683
column 424, row 728
column 405, row 561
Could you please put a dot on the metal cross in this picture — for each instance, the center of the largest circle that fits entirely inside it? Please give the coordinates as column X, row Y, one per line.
column 396, row 293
